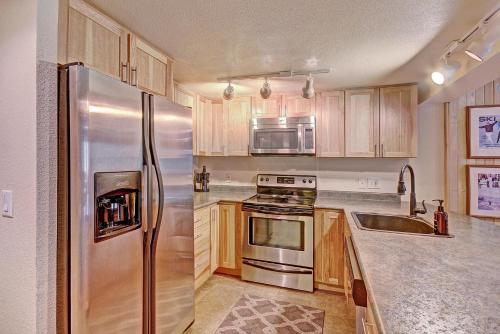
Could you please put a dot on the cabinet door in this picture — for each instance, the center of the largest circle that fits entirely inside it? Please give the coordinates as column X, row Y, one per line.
column 236, row 126
column 150, row 69
column 297, row 106
column 214, row 238
column 96, row 41
column 202, row 239
column 183, row 97
column 204, row 126
column 217, row 129
column 227, row 236
column 361, row 123
column 329, row 247
column 268, row 108
column 398, row 121
column 330, row 124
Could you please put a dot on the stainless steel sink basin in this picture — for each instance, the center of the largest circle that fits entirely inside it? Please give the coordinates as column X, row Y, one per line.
column 394, row 223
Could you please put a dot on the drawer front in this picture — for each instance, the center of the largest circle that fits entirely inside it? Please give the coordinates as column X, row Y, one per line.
column 202, row 214
column 202, row 239
column 201, row 263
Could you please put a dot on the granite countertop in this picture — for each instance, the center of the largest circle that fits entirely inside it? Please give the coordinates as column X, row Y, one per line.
column 222, row 193
column 426, row 284
column 417, row 284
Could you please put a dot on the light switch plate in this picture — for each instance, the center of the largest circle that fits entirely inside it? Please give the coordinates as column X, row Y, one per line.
column 6, row 198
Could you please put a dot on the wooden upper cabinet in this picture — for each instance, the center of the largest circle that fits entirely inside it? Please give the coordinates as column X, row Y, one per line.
column 329, row 247
column 96, row 40
column 361, row 123
column 150, row 69
column 271, row 107
column 330, row 124
column 398, row 121
column 217, row 130
column 297, row 106
column 236, row 125
column 203, row 126
column 183, row 97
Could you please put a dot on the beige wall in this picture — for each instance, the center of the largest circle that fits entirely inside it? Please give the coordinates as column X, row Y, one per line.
column 342, row 174
column 456, row 185
column 26, row 250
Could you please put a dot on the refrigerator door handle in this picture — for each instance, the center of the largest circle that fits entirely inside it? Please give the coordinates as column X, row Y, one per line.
column 156, row 166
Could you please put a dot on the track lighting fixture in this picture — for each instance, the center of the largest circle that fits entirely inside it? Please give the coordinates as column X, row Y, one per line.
column 437, row 77
column 228, row 93
column 444, row 71
column 308, row 90
column 477, row 50
column 265, row 91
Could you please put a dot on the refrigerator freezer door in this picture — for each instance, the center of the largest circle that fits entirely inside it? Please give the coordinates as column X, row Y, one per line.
column 173, row 245
column 105, row 135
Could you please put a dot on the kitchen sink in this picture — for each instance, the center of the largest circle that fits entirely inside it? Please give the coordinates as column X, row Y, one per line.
column 394, row 223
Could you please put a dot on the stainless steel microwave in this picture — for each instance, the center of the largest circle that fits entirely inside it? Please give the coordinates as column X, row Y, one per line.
column 283, row 135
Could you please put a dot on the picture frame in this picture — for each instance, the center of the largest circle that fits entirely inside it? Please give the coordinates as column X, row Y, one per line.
column 483, row 131
column 483, row 191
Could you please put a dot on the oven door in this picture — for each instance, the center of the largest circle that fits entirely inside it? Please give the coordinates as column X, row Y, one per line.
column 283, row 239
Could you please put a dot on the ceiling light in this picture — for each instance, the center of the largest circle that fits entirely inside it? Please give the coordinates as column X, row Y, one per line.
column 477, row 50
column 265, row 91
column 437, row 77
column 228, row 92
column 308, row 90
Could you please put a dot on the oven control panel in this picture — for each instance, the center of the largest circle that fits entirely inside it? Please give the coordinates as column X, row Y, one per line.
column 288, row 181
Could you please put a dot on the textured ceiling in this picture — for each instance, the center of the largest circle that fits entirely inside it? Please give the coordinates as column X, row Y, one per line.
column 364, row 42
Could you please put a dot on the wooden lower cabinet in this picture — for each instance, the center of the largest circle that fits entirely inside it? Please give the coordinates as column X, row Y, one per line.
column 329, row 250
column 201, row 246
column 370, row 323
column 230, row 238
column 217, row 241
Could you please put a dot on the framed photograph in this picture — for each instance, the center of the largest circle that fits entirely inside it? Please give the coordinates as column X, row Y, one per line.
column 483, row 191
column 483, row 132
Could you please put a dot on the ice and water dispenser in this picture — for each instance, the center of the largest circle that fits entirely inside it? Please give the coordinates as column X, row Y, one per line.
column 117, row 203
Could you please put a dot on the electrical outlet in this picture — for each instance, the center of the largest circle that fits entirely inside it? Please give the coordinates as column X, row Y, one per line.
column 373, row 183
column 228, row 178
column 362, row 181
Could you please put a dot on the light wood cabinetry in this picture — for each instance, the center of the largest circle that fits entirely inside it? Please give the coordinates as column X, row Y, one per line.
column 370, row 324
column 204, row 126
column 269, row 108
column 186, row 98
column 329, row 249
column 88, row 36
column 214, row 238
column 150, row 69
column 96, row 40
column 283, row 106
column 218, row 144
column 398, row 121
column 361, row 122
column 236, row 126
column 202, row 239
column 330, row 124
column 230, row 238
column 297, row 106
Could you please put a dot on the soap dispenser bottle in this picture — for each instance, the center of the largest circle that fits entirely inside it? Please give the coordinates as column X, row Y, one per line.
column 440, row 219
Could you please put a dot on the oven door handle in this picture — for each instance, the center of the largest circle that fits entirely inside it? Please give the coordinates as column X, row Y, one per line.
column 275, row 268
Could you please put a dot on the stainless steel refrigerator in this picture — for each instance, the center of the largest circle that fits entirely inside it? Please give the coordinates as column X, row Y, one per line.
column 125, row 208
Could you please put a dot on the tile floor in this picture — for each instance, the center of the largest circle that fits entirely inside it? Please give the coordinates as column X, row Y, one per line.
column 216, row 297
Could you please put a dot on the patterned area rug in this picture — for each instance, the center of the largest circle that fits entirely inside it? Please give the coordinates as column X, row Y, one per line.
column 257, row 315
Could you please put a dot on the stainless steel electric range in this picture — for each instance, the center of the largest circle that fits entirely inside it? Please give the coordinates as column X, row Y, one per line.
column 278, row 232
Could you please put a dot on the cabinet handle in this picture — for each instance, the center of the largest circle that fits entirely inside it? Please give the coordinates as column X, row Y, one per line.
column 124, row 72
column 382, row 150
column 375, row 146
column 133, row 74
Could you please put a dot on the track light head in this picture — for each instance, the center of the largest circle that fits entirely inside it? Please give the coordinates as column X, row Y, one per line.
column 437, row 77
column 265, row 91
column 478, row 50
column 308, row 90
column 228, row 93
